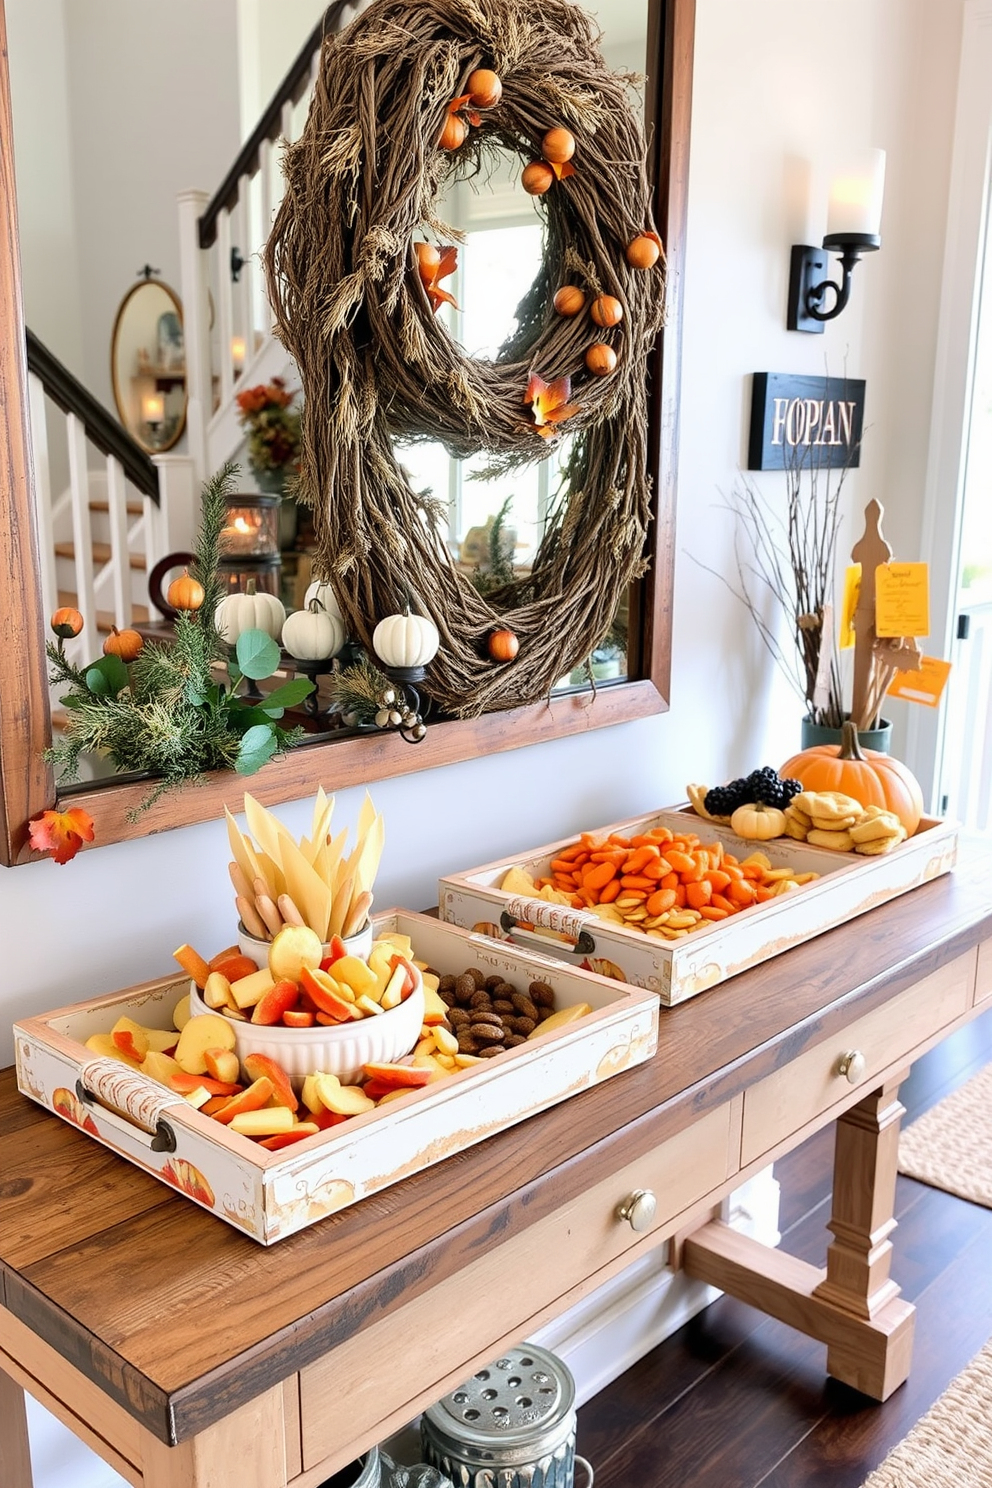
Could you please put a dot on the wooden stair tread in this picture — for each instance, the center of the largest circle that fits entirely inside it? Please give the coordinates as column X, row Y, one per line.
column 101, row 554
column 133, row 508
column 140, row 614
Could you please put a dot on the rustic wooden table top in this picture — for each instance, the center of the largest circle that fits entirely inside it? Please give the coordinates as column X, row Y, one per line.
column 182, row 1319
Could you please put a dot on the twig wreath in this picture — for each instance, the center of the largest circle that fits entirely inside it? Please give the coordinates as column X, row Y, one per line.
column 413, row 94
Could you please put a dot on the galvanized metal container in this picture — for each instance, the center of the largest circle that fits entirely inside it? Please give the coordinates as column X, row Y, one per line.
column 512, row 1425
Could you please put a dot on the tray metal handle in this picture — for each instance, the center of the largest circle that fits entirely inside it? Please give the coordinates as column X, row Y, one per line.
column 571, row 922
column 127, row 1093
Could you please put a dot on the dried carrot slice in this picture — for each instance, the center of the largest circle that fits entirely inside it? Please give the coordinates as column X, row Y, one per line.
column 698, row 894
column 661, row 901
column 609, row 891
column 713, row 912
column 637, row 881
column 719, row 901
column 682, row 862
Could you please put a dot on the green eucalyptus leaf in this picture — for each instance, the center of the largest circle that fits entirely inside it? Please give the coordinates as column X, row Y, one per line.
column 258, row 654
column 106, row 677
column 72, row 700
column 257, row 746
column 288, row 694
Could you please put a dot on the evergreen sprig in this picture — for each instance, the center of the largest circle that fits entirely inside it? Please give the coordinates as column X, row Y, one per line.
column 168, row 714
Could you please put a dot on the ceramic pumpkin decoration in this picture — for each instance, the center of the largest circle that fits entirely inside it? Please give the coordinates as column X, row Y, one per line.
column 757, row 822
column 312, row 634
column 249, row 611
column 321, row 591
column 405, row 641
column 873, row 779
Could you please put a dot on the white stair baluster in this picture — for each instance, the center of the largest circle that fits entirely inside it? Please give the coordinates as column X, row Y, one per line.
column 120, row 555
column 194, row 285
column 225, row 307
column 82, row 539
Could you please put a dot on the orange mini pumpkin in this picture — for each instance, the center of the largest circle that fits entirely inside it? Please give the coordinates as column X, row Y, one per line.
column 123, row 643
column 872, row 778
column 185, row 593
column 66, row 622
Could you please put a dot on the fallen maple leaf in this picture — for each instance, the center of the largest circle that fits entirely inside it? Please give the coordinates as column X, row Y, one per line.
column 61, row 833
column 562, row 168
column 549, row 403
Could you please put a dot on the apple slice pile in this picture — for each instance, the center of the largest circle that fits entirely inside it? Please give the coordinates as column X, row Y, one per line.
column 301, row 985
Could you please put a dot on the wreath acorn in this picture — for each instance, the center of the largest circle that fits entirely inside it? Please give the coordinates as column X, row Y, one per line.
column 411, row 96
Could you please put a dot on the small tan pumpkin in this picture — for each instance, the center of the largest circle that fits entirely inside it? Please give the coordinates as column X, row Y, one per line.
column 313, row 634
column 872, row 778
column 127, row 644
column 757, row 822
column 249, row 611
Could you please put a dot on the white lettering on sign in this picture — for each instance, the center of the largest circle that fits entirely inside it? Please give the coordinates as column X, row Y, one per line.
column 812, row 421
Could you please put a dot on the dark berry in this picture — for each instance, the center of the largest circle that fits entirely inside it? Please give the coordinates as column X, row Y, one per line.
column 791, row 788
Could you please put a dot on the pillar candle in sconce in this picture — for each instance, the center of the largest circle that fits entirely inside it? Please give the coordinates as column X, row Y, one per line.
column 238, row 354
column 153, row 408
column 856, row 196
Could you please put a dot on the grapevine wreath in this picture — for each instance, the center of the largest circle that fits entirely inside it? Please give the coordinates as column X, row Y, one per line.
column 412, row 95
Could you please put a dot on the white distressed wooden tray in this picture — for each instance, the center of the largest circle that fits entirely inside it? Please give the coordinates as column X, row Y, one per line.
column 270, row 1195
column 849, row 885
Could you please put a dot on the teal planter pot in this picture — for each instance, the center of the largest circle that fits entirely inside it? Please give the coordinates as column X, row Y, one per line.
column 879, row 738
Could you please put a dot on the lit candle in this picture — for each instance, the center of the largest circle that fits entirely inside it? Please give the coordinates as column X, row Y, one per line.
column 238, row 353
column 856, row 195
column 153, row 408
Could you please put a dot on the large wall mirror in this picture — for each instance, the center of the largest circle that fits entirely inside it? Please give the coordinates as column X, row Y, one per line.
column 665, row 38
column 148, row 365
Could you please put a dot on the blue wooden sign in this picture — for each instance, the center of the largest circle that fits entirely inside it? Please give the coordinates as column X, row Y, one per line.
column 811, row 422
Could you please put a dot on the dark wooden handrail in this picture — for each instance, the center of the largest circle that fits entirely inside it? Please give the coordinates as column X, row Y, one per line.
column 102, row 428
column 269, row 126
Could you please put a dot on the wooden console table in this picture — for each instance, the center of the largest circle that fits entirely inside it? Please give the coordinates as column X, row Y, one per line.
column 187, row 1355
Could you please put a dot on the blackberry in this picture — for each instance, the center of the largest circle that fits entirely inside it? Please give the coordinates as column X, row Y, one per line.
column 723, row 800
column 791, row 788
column 767, row 788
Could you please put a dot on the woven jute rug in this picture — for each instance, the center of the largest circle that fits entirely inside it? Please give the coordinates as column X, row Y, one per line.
column 951, row 1446
column 950, row 1146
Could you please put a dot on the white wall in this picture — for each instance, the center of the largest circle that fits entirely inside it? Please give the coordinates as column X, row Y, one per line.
column 775, row 87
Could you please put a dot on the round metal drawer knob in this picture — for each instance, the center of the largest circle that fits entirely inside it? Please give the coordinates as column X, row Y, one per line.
column 639, row 1209
column 852, row 1066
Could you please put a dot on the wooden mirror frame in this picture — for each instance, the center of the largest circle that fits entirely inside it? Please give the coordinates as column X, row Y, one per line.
column 119, row 399
column 27, row 785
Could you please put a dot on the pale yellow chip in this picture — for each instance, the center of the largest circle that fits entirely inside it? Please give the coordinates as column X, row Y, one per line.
column 519, row 881
column 838, row 841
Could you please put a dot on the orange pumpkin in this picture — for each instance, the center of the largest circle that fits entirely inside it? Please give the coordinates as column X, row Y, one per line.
column 873, row 779
column 185, row 593
column 67, row 622
column 123, row 643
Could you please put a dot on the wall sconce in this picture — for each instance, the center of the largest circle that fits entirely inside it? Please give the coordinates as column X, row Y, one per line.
column 238, row 354
column 153, row 413
column 853, row 226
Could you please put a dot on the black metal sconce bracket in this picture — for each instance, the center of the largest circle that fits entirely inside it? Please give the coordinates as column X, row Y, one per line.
column 808, row 281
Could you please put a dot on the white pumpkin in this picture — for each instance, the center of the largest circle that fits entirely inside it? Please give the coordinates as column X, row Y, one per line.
column 312, row 634
column 323, row 592
column 406, row 640
column 249, row 611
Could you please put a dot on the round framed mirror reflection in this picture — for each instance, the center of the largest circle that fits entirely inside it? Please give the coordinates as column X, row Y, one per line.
column 148, row 365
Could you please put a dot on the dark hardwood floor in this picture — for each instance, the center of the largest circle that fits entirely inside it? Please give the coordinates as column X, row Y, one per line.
column 735, row 1399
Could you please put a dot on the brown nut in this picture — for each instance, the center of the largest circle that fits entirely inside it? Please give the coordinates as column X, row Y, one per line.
column 542, row 994
column 481, row 999
column 465, row 988
column 485, row 1033
column 513, row 1039
column 524, row 1006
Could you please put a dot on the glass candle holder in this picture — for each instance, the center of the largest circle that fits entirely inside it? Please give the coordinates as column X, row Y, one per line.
column 251, row 529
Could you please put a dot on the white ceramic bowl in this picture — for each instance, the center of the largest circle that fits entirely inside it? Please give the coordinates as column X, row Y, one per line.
column 258, row 950
column 337, row 1051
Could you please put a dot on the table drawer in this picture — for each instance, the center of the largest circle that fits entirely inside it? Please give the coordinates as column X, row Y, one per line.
column 439, row 1337
column 812, row 1084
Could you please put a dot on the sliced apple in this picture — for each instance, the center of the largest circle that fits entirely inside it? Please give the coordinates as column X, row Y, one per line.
column 435, row 1011
column 397, row 941
column 206, row 1031
column 130, row 1039
column 355, row 973
column 395, row 1075
column 262, row 1123
column 224, row 955
column 198, row 1097
column 368, row 1006
column 159, row 1066
column 293, row 948
column 104, row 1045
column 561, row 1018
column 252, row 1099
column 328, row 998
column 186, row 1084
column 286, row 1139
column 246, row 991
column 217, row 990
column 309, row 1095
column 393, row 995
column 298, row 1018
column 223, row 1065
column 275, row 1003
column 257, row 1065
column 181, row 1013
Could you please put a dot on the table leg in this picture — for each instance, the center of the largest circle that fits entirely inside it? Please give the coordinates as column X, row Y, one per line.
column 853, row 1306
column 15, row 1451
column 247, row 1449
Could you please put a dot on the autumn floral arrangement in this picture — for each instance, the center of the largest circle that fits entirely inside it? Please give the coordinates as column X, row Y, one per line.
column 172, row 709
column 272, row 425
column 357, row 278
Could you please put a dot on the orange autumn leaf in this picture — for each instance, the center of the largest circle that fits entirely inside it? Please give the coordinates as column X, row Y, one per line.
column 457, row 105
column 430, row 278
column 61, row 833
column 562, row 168
column 549, row 403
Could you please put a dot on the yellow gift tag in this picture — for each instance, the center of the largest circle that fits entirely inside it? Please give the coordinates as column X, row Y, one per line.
column 902, row 599
column 924, row 686
column 849, row 603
